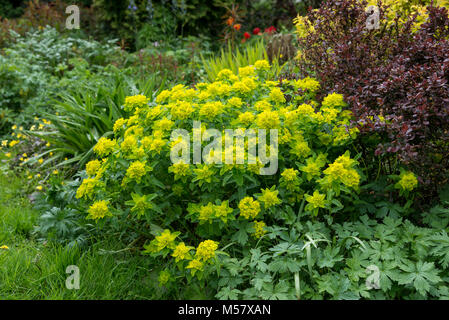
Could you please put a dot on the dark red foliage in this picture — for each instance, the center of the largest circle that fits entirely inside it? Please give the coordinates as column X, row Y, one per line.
column 393, row 72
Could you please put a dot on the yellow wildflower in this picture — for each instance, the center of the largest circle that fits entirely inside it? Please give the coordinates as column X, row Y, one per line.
column 259, row 229
column 92, row 167
column 206, row 250
column 408, row 181
column 104, row 147
column 262, row 65
column 269, row 197
column 99, row 210
column 249, row 208
column 135, row 101
column 316, row 201
column 136, row 171
column 181, row 252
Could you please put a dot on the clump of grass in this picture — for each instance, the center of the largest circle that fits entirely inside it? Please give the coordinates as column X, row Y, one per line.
column 235, row 59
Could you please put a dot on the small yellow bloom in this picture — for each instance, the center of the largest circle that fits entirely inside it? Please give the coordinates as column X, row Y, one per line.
column 4, row 247
column 249, row 208
column 408, row 181
column 269, row 198
column 262, row 65
column 259, row 229
column 206, row 250
column 195, row 265
column 181, row 252
column 99, row 210
column 316, row 201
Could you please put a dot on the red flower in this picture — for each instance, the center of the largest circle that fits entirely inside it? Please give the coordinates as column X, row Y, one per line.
column 247, row 35
column 237, row 27
column 256, row 31
column 270, row 30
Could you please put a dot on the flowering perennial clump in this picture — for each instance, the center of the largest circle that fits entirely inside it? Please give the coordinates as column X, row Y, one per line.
column 199, row 207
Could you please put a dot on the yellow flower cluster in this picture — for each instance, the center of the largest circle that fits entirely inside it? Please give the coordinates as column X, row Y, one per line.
column 211, row 211
column 262, row 65
column 93, row 167
column 404, row 9
column 341, row 171
column 104, row 147
column 165, row 240
column 182, row 252
column 137, row 170
column 164, row 277
column 307, row 84
column 259, row 229
column 87, row 188
column 135, row 101
column 249, row 208
column 203, row 255
column 303, row 26
column 269, row 198
column 180, row 170
column 407, row 182
column 206, row 250
column 99, row 210
column 315, row 201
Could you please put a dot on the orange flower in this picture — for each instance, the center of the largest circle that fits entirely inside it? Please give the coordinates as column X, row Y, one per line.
column 230, row 21
column 237, row 27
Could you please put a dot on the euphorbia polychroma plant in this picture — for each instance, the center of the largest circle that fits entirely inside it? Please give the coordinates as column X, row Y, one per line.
column 398, row 72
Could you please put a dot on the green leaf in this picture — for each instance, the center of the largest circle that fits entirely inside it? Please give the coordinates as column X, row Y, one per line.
column 240, row 236
column 420, row 275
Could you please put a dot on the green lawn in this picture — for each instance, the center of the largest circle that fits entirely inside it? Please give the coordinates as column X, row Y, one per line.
column 31, row 269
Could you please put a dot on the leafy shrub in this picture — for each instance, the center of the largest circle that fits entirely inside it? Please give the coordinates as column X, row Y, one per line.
column 212, row 205
column 402, row 10
column 394, row 79
column 310, row 260
column 33, row 68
